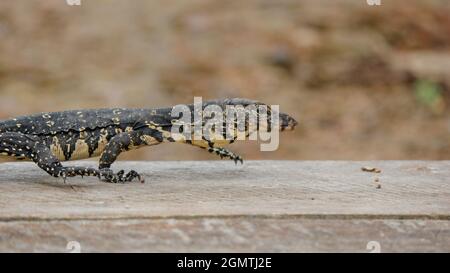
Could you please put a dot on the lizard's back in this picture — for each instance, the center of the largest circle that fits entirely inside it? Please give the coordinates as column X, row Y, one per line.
column 52, row 123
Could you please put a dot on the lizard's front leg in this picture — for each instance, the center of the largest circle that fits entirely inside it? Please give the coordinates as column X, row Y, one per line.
column 216, row 149
column 119, row 143
column 222, row 152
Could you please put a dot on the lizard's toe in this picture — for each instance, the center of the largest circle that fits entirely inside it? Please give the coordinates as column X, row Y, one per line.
column 107, row 175
column 65, row 172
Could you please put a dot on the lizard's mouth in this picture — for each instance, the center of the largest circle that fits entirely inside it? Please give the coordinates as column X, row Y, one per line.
column 287, row 123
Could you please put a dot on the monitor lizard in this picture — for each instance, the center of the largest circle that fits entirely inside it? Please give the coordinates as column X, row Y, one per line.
column 50, row 138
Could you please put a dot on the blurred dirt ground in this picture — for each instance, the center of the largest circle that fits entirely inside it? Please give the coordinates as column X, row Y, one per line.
column 364, row 82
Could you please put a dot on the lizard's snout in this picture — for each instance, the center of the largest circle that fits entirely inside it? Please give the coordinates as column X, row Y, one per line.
column 287, row 123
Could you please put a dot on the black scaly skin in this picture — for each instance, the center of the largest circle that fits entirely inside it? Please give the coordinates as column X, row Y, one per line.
column 50, row 138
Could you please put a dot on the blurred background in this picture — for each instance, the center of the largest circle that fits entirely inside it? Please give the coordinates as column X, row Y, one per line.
column 365, row 82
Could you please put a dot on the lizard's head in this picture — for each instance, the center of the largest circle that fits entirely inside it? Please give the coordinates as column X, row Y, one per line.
column 287, row 123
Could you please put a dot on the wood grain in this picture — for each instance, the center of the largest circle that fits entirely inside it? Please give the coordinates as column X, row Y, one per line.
column 280, row 206
column 239, row 234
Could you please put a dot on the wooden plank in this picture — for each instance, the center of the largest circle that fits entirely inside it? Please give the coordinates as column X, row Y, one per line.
column 409, row 189
column 235, row 234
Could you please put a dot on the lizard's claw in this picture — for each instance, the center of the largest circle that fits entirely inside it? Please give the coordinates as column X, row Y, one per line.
column 238, row 158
